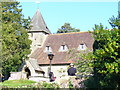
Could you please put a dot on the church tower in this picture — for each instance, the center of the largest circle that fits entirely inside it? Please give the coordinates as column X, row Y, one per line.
column 38, row 32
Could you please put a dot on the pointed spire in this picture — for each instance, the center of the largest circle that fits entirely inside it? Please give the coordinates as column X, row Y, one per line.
column 37, row 2
column 38, row 23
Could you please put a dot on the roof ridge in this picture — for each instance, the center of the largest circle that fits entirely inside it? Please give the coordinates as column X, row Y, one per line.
column 69, row 33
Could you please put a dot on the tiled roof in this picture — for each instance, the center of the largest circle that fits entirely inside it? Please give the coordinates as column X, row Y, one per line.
column 38, row 23
column 71, row 40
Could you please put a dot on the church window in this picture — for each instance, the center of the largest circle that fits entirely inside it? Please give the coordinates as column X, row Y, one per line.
column 82, row 47
column 63, row 48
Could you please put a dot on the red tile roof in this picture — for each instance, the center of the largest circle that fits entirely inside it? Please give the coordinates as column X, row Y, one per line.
column 72, row 40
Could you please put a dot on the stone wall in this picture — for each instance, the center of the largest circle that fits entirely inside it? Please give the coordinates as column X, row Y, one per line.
column 39, row 79
column 37, row 39
column 64, row 82
column 17, row 75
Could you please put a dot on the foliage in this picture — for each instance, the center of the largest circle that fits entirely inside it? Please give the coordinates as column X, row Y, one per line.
column 0, row 38
column 15, row 42
column 48, row 85
column 90, row 83
column 85, row 63
column 114, row 22
column 107, row 58
column 67, row 28
column 70, row 84
column 106, row 49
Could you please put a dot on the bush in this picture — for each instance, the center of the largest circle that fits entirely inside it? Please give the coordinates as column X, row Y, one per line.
column 47, row 85
column 70, row 84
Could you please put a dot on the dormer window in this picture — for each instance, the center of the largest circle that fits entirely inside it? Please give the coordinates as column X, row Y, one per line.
column 48, row 49
column 63, row 48
column 82, row 47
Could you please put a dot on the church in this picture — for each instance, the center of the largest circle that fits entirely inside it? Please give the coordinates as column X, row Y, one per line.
column 62, row 45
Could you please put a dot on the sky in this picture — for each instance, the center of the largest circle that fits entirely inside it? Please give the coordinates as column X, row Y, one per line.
column 81, row 15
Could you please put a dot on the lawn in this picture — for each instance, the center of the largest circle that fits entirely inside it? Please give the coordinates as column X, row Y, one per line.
column 17, row 83
column 27, row 84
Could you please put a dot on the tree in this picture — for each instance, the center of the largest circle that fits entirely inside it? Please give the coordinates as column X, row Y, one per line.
column 0, row 39
column 84, row 63
column 107, row 58
column 67, row 28
column 15, row 42
column 114, row 22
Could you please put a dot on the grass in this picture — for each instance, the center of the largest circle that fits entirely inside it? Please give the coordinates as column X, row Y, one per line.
column 16, row 83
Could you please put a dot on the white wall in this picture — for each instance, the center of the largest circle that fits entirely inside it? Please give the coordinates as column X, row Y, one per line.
column 56, row 70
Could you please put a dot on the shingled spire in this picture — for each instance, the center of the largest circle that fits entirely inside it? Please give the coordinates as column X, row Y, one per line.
column 38, row 23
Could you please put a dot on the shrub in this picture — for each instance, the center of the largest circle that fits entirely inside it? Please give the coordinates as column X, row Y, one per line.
column 47, row 85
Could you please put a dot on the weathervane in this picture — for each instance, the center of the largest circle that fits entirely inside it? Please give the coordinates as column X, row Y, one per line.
column 38, row 2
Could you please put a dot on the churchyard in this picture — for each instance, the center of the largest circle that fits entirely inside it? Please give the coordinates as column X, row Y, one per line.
column 63, row 82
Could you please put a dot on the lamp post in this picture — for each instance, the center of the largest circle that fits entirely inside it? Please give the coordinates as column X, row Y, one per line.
column 50, row 56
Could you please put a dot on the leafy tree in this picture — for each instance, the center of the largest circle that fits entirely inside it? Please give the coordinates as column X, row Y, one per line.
column 67, row 28
column 114, row 22
column 85, row 63
column 15, row 42
column 107, row 58
column 0, row 38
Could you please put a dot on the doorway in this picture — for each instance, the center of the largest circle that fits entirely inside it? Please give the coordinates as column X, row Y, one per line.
column 28, row 72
